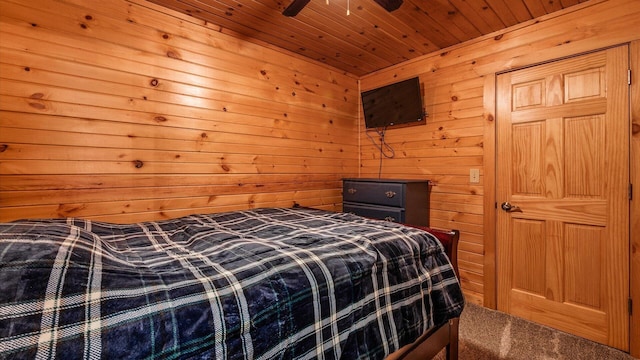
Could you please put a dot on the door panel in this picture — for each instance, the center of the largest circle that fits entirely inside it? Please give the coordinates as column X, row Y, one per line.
column 563, row 169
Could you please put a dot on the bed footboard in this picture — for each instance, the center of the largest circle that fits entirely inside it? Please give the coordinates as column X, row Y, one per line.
column 449, row 240
column 433, row 341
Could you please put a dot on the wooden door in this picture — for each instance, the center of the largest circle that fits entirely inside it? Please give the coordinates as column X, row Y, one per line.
column 563, row 195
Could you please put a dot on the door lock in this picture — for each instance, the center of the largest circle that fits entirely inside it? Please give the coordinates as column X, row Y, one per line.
column 506, row 206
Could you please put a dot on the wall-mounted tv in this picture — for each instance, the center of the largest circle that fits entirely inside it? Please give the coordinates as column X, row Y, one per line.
column 394, row 104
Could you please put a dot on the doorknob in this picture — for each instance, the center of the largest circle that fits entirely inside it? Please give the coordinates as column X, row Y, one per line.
column 506, row 206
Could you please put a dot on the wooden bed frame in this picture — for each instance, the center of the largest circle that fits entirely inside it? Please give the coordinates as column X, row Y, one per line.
column 433, row 341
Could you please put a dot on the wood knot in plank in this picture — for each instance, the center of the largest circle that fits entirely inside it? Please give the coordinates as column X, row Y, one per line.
column 36, row 96
column 65, row 210
column 37, row 106
column 138, row 163
column 174, row 54
column 3, row 148
column 160, row 119
column 498, row 37
column 154, row 82
column 635, row 128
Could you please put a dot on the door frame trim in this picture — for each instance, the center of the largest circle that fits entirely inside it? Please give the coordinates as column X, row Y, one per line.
column 490, row 183
column 634, row 231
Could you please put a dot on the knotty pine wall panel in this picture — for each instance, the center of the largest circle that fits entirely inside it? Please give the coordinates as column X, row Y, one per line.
column 125, row 111
column 459, row 134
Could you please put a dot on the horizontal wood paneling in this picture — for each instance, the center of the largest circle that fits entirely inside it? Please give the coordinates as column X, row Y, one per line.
column 457, row 90
column 128, row 111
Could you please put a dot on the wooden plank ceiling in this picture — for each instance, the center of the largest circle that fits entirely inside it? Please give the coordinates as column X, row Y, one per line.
column 369, row 38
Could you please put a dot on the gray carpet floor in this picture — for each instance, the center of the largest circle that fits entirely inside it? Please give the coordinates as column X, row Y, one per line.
column 488, row 334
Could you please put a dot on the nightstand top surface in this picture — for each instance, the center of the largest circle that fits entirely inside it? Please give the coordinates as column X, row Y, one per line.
column 387, row 180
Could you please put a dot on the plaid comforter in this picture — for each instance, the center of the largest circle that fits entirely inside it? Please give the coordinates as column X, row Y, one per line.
column 261, row 284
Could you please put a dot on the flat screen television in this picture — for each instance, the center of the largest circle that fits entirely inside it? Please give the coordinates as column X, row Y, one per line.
column 394, row 104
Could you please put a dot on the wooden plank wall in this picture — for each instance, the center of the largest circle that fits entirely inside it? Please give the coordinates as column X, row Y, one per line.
column 459, row 135
column 126, row 111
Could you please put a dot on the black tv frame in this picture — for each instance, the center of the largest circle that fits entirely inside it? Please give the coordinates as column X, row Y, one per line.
column 397, row 104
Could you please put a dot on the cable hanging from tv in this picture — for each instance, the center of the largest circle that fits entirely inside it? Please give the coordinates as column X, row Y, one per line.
column 385, row 149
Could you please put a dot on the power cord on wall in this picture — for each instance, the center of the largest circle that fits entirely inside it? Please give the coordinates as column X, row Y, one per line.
column 385, row 149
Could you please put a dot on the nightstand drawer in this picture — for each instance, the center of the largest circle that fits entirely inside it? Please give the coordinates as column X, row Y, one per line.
column 394, row 214
column 387, row 194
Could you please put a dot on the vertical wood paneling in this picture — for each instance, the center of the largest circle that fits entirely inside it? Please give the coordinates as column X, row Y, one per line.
column 528, row 145
column 583, row 265
column 129, row 112
column 581, row 160
column 529, row 252
column 459, row 134
column 488, row 238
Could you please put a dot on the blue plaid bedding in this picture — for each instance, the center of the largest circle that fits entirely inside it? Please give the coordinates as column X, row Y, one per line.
column 260, row 284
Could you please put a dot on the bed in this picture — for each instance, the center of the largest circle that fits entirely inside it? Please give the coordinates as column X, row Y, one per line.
column 272, row 283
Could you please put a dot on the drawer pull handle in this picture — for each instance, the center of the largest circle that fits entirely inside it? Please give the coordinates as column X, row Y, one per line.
column 390, row 194
column 352, row 191
column 390, row 218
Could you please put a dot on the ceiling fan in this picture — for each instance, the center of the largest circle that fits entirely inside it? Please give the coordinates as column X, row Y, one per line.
column 297, row 5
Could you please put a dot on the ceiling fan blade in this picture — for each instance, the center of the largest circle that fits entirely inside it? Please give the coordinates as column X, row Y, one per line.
column 389, row 5
column 297, row 5
column 294, row 8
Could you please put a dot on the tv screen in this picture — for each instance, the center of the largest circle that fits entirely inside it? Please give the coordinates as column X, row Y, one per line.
column 394, row 104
